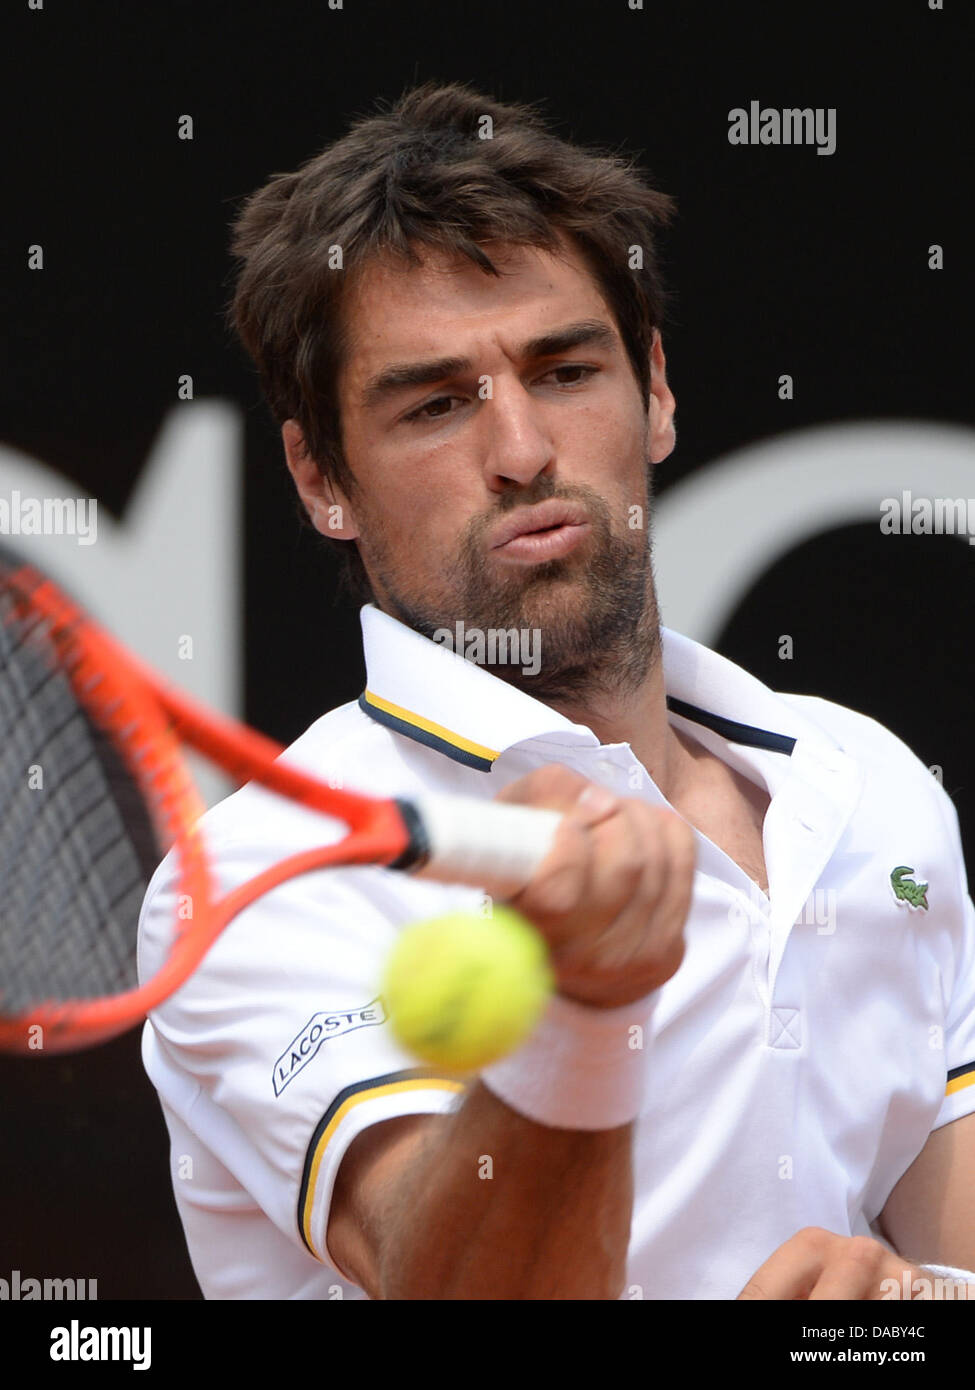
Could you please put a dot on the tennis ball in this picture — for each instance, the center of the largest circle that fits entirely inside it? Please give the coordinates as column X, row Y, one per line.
column 463, row 990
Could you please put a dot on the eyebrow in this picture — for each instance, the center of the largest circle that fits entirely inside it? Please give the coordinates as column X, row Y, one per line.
column 399, row 376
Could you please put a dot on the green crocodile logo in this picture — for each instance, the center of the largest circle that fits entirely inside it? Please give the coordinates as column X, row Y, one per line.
column 906, row 890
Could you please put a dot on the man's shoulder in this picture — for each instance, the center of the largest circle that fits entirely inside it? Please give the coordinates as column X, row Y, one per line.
column 882, row 754
column 857, row 733
column 253, row 823
column 341, row 740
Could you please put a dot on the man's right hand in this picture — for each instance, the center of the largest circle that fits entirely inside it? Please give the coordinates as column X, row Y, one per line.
column 612, row 896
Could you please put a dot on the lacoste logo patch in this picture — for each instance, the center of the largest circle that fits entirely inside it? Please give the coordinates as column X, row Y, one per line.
column 319, row 1029
column 906, row 890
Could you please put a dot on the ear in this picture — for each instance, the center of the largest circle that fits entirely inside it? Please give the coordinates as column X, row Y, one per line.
column 663, row 435
column 326, row 504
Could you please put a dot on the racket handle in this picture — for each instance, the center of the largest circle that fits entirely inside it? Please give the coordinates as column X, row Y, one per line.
column 485, row 844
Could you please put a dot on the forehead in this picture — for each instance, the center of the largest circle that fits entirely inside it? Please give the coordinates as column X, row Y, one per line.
column 395, row 310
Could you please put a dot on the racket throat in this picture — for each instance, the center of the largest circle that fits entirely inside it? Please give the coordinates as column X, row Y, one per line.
column 419, row 849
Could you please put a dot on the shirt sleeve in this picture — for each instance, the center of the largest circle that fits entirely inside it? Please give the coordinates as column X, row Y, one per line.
column 276, row 1053
column 959, row 1039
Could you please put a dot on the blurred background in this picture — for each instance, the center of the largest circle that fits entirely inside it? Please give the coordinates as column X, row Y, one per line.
column 784, row 262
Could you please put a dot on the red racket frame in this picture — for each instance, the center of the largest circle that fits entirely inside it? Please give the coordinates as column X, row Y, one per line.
column 147, row 719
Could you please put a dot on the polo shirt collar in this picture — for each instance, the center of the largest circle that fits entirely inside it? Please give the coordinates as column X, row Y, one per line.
column 436, row 697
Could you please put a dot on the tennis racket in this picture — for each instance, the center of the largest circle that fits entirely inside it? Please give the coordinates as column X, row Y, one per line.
column 94, row 791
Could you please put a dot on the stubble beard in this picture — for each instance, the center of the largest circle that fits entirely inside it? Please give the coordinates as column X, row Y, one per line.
column 595, row 612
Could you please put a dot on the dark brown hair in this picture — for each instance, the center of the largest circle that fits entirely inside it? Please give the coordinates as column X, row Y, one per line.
column 423, row 173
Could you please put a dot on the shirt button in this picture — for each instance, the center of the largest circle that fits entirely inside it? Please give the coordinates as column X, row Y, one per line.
column 785, row 1028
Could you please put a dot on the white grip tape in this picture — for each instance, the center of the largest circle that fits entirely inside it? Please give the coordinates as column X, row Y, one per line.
column 485, row 844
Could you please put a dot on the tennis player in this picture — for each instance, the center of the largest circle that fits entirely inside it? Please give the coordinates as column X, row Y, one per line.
column 757, row 1077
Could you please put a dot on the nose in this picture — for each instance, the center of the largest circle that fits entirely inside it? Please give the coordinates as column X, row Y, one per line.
column 519, row 444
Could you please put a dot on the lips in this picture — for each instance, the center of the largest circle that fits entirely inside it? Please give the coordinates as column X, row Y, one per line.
column 545, row 517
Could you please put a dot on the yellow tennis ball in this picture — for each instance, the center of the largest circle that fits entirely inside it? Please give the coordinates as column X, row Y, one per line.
column 463, row 990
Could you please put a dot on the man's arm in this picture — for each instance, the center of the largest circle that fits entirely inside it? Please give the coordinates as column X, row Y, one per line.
column 484, row 1202
column 930, row 1215
column 414, row 1214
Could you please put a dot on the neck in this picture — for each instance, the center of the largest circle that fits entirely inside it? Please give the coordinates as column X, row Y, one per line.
column 638, row 717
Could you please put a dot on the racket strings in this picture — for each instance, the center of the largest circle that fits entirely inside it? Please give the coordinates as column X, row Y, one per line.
column 76, row 844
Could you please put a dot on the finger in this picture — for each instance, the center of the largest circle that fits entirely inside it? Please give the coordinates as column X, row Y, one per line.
column 792, row 1270
column 593, row 806
column 859, row 1274
column 559, row 884
column 554, row 787
column 617, row 865
column 648, row 881
column 649, row 929
column 662, row 950
column 634, row 881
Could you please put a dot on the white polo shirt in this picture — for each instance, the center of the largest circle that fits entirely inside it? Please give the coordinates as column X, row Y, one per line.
column 800, row 1057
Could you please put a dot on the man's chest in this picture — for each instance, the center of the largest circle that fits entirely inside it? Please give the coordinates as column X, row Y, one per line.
column 803, row 1063
column 731, row 815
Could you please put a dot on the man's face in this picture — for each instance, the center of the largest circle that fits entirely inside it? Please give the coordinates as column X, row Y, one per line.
column 451, row 457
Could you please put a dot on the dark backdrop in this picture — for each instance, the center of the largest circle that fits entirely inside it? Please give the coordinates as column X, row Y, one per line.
column 783, row 261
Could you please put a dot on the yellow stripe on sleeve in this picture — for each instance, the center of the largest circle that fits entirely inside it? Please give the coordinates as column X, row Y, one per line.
column 335, row 1117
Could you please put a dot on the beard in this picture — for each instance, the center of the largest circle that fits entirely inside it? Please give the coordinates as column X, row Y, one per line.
column 595, row 614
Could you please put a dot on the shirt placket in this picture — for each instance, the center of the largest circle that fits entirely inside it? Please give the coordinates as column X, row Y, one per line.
column 804, row 825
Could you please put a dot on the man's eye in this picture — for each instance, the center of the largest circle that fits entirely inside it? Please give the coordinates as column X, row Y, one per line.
column 574, row 367
column 421, row 412
column 439, row 407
